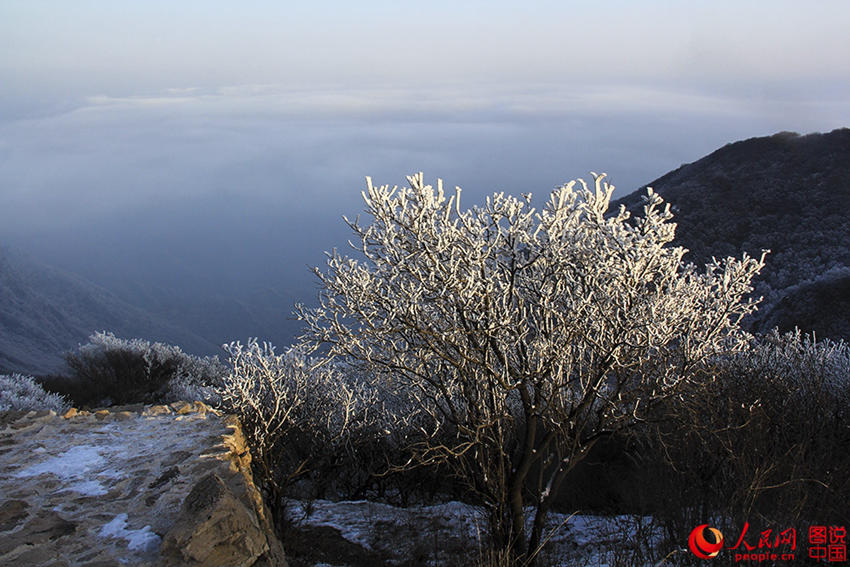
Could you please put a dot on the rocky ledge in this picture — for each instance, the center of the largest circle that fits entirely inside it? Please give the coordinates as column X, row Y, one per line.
column 134, row 485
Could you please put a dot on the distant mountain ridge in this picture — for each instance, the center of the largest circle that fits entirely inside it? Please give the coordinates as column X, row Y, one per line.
column 45, row 312
column 788, row 193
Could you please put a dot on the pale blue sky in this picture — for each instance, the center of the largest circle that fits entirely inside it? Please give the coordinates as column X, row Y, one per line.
column 124, row 47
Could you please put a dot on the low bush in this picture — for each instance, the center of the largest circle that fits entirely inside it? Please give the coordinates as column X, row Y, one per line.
column 303, row 422
column 764, row 440
column 109, row 370
column 19, row 392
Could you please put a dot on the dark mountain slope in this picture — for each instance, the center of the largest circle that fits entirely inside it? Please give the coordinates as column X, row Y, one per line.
column 787, row 193
column 44, row 312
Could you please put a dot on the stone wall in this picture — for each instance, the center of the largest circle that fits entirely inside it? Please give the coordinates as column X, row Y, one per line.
column 134, row 485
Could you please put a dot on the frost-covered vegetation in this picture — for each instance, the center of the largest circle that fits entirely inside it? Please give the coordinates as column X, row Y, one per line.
column 761, row 440
column 301, row 420
column 111, row 370
column 19, row 392
column 766, row 437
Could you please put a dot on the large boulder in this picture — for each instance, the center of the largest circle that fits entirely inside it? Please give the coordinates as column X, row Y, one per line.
column 214, row 529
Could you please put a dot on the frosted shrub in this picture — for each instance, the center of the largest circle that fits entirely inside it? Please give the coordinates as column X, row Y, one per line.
column 19, row 392
column 808, row 368
column 188, row 388
column 766, row 437
column 196, row 379
column 524, row 336
column 791, row 400
column 297, row 416
column 274, row 393
column 109, row 369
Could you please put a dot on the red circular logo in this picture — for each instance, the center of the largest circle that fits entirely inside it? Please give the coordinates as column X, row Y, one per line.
column 700, row 546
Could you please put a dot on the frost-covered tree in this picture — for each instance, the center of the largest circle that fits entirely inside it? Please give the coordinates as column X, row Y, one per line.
column 524, row 336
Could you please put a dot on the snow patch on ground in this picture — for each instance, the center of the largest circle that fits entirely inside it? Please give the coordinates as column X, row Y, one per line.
column 142, row 540
column 363, row 522
column 456, row 527
column 75, row 468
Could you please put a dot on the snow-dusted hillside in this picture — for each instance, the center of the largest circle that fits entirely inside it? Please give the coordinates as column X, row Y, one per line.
column 787, row 193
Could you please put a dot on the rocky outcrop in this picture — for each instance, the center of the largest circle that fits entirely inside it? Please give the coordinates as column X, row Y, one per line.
column 214, row 528
column 161, row 485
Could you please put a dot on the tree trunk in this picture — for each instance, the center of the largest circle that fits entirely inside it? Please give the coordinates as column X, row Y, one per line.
column 553, row 487
column 517, row 542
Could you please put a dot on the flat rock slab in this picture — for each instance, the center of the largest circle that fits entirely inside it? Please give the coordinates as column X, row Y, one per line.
column 106, row 488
